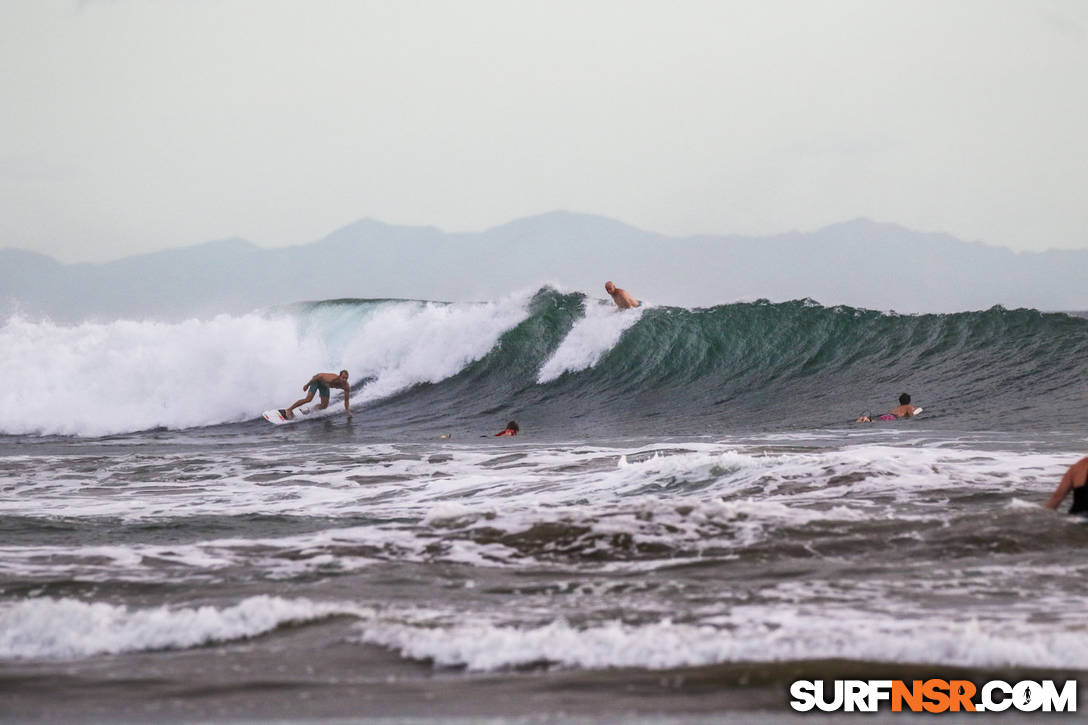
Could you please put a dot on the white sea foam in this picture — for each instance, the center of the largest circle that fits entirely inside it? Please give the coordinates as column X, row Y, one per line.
column 748, row 499
column 750, row 635
column 210, row 561
column 548, row 482
column 568, row 512
column 409, row 343
column 70, row 628
column 95, row 379
column 589, row 339
column 620, row 504
column 102, row 378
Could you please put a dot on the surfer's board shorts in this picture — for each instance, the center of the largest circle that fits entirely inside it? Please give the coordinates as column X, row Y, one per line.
column 319, row 388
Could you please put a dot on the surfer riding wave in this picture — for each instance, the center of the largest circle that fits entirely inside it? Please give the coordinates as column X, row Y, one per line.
column 320, row 384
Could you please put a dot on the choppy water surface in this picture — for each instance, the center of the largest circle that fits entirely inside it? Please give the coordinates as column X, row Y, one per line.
column 688, row 492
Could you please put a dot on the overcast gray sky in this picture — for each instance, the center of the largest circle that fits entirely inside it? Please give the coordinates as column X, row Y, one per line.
column 128, row 126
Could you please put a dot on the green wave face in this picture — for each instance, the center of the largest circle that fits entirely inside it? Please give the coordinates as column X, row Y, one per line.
column 760, row 365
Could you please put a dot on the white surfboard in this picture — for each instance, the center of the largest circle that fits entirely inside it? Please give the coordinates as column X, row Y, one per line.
column 276, row 415
column 917, row 412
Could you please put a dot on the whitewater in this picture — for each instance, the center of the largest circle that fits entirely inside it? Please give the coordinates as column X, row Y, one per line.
column 123, row 376
column 689, row 520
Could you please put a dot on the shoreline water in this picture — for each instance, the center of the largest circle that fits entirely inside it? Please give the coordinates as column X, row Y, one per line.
column 254, row 683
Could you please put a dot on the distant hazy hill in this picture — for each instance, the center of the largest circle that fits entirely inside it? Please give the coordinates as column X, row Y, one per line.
column 859, row 263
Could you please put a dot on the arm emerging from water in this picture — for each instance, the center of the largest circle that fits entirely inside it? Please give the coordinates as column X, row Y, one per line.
column 1077, row 472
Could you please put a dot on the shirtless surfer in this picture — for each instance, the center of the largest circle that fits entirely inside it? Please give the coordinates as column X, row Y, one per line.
column 1075, row 480
column 623, row 300
column 320, row 383
column 903, row 410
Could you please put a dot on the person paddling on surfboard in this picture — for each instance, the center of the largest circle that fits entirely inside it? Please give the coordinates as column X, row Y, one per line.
column 1075, row 480
column 511, row 429
column 903, row 410
column 623, row 300
column 320, row 383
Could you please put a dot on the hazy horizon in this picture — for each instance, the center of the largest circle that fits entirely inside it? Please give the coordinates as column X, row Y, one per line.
column 859, row 263
column 315, row 238
column 131, row 127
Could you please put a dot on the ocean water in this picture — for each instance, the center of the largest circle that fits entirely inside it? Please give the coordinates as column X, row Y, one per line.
column 689, row 520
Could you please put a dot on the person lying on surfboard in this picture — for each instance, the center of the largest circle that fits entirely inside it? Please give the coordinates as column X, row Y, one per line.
column 320, row 383
column 1075, row 480
column 511, row 429
column 903, row 410
column 623, row 300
